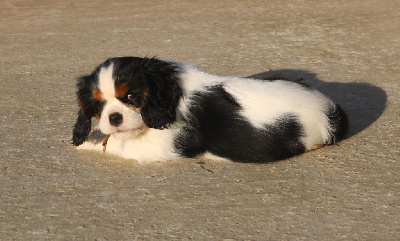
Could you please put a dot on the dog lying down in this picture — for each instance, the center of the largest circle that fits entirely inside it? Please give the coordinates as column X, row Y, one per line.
column 151, row 110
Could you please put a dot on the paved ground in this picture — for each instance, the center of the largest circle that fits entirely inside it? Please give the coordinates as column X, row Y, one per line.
column 348, row 49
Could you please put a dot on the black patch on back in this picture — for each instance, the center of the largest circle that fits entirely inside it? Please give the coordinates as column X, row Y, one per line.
column 215, row 125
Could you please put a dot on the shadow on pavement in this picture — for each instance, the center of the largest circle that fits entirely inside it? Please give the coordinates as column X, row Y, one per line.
column 363, row 102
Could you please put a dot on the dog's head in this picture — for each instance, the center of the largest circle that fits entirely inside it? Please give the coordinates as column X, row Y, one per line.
column 127, row 95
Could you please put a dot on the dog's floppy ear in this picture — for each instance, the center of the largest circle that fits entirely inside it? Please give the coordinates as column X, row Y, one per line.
column 84, row 121
column 163, row 92
column 81, row 129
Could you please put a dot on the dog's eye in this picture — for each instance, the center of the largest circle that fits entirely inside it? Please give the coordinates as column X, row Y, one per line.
column 133, row 99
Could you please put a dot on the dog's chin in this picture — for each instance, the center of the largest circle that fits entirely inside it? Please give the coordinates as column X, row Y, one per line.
column 126, row 134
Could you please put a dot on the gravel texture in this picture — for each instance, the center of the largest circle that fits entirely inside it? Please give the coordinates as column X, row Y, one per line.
column 347, row 49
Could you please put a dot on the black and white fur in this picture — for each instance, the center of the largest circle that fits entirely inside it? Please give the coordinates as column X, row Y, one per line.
column 171, row 110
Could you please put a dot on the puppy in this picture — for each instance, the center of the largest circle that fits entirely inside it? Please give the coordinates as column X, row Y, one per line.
column 151, row 110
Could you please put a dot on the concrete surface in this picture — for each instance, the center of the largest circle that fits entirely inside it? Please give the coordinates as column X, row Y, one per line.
column 348, row 49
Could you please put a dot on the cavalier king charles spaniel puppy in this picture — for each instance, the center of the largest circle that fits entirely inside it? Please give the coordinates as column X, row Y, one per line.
column 151, row 110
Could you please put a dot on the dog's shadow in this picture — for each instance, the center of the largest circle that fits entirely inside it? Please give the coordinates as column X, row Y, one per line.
column 364, row 103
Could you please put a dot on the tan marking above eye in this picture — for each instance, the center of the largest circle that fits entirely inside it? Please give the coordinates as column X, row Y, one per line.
column 121, row 90
column 97, row 95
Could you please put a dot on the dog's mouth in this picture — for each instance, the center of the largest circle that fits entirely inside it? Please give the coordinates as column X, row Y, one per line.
column 124, row 134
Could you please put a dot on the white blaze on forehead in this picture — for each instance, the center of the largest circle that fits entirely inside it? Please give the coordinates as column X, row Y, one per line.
column 106, row 82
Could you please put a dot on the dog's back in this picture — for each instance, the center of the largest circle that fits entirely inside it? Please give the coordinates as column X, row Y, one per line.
column 253, row 120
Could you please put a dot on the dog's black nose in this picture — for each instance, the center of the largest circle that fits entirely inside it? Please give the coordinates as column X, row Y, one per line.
column 115, row 119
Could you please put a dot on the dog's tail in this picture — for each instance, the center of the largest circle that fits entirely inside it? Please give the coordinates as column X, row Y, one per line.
column 339, row 123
